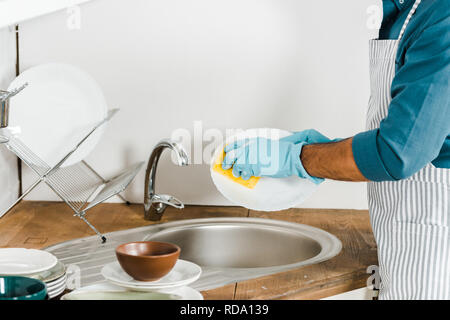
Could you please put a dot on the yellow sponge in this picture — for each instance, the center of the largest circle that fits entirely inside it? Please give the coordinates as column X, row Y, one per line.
column 250, row 183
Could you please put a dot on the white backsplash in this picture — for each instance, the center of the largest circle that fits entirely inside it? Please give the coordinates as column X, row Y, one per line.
column 232, row 64
column 15, row 11
column 9, row 182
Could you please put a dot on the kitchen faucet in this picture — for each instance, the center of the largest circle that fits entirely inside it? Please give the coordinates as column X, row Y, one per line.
column 155, row 204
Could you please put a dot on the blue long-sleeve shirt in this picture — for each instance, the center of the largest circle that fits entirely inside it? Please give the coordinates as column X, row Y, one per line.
column 416, row 130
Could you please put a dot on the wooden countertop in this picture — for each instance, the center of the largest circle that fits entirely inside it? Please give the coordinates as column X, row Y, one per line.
column 40, row 224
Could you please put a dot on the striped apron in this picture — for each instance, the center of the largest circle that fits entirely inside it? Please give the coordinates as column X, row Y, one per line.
column 410, row 218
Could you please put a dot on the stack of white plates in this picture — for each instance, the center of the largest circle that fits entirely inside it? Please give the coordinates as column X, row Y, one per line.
column 36, row 264
column 56, row 283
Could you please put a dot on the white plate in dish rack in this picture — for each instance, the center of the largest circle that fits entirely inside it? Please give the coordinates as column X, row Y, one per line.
column 58, row 108
column 269, row 194
column 20, row 261
column 182, row 274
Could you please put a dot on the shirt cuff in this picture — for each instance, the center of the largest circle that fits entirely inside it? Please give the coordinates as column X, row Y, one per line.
column 367, row 157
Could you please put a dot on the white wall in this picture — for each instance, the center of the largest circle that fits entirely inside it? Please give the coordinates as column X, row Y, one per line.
column 9, row 182
column 291, row 64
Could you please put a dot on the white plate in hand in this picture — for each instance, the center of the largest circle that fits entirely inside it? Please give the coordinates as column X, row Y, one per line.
column 20, row 261
column 58, row 108
column 182, row 274
column 269, row 194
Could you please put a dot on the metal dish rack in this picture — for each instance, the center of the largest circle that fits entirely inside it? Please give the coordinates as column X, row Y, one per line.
column 78, row 185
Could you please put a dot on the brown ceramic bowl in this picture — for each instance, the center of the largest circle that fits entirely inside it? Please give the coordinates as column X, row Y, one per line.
column 147, row 260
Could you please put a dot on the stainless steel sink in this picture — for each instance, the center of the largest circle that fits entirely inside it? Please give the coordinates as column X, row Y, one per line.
column 243, row 243
column 227, row 249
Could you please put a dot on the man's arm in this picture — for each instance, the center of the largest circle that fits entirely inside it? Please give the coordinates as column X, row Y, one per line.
column 417, row 124
column 332, row 161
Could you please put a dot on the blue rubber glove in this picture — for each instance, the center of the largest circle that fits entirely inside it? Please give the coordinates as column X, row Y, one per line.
column 271, row 158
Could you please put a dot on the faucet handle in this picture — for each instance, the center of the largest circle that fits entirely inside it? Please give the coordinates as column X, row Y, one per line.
column 167, row 200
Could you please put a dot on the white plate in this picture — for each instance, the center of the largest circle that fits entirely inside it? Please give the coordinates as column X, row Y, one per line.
column 56, row 283
column 57, row 288
column 56, row 292
column 58, row 108
column 20, row 261
column 53, row 274
column 182, row 274
column 108, row 291
column 269, row 194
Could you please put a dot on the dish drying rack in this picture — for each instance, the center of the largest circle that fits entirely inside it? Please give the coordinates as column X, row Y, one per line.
column 78, row 185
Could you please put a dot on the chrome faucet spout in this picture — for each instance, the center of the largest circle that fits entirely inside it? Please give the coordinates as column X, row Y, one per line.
column 155, row 204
